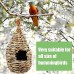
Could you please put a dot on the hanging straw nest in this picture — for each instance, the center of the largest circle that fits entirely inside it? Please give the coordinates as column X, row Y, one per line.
column 18, row 54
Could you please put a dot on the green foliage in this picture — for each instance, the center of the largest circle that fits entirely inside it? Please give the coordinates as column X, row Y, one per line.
column 0, row 20
column 69, row 24
column 49, row 18
column 60, row 2
column 10, row 3
column 12, row 23
column 4, row 12
column 46, row 2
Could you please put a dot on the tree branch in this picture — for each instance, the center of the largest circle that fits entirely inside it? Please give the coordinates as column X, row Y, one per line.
column 21, row 15
column 71, row 37
column 69, row 2
column 4, row 7
column 61, row 33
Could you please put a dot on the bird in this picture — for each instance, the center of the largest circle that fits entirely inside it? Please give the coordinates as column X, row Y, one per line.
column 33, row 11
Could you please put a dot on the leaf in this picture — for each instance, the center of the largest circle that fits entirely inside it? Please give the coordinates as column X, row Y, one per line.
column 20, row 1
column 50, row 10
column 10, row 3
column 60, row 2
column 68, row 6
column 4, row 12
column 27, row 22
column 0, row 20
column 49, row 18
column 69, row 24
column 47, row 2
column 43, row 11
column 45, row 34
column 12, row 23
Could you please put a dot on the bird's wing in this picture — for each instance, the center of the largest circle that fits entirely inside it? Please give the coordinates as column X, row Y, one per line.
column 37, row 9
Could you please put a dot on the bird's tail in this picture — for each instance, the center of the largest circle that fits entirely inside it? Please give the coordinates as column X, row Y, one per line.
column 35, row 21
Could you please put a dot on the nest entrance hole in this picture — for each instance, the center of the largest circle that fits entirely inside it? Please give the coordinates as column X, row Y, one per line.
column 21, row 55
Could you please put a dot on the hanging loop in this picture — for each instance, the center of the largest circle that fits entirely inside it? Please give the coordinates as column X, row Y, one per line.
column 18, row 23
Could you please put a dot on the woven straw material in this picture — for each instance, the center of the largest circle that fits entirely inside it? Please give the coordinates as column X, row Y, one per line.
column 18, row 42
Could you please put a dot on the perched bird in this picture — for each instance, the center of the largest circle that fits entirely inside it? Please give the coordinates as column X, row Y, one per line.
column 33, row 11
